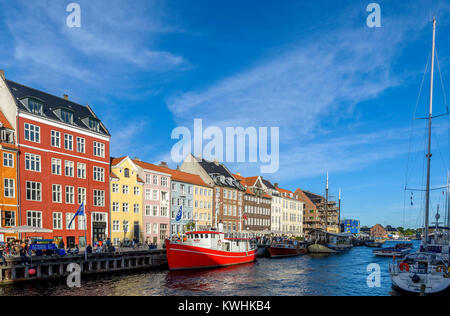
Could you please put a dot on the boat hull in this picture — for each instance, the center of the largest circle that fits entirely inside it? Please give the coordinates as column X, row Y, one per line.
column 277, row 252
column 434, row 285
column 184, row 257
column 327, row 248
column 384, row 253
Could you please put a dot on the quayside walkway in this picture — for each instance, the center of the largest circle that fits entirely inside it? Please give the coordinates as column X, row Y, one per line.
column 51, row 267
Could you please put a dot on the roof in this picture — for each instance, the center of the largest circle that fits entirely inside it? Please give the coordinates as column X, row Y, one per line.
column 181, row 176
column 5, row 123
column 287, row 192
column 249, row 182
column 303, row 197
column 51, row 103
column 150, row 166
column 219, row 174
column 268, row 184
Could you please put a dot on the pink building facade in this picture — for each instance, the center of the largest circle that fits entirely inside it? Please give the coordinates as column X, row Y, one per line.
column 156, row 202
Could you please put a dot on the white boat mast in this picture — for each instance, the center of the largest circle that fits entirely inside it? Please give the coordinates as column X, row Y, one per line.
column 430, row 117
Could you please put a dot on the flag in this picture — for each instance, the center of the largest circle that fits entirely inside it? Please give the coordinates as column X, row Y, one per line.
column 80, row 212
column 180, row 213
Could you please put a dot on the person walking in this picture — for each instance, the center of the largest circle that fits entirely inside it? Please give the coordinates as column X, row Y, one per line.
column 2, row 256
column 23, row 256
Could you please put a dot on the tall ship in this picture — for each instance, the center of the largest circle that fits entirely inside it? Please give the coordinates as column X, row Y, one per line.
column 427, row 271
column 209, row 249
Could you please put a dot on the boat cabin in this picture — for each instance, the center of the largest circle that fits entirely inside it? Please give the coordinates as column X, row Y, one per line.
column 218, row 241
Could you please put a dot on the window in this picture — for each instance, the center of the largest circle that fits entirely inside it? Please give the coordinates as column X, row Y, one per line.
column 155, row 210
column 147, row 210
column 137, row 191
column 81, row 195
column 32, row 162
column 125, row 226
column 115, row 207
column 155, row 228
column 67, row 116
column 70, row 195
column 56, row 193
column 34, row 219
column 99, row 198
column 68, row 142
column 148, row 228
column 33, row 191
column 174, row 186
column 125, row 189
column 148, row 194
column 125, row 207
column 8, row 219
column 81, row 170
column 81, row 222
column 115, row 188
column 163, row 211
column 137, row 208
column 55, row 139
column 155, row 180
column 57, row 220
column 35, row 106
column 69, row 217
column 32, row 133
column 80, row 145
column 8, row 160
column 69, row 168
column 99, row 149
column 94, row 124
column 155, row 195
column 99, row 174
column 116, row 226
column 147, row 178
column 164, row 182
column 9, row 188
column 56, row 166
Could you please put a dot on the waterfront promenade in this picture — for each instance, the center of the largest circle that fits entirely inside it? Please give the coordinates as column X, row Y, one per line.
column 52, row 267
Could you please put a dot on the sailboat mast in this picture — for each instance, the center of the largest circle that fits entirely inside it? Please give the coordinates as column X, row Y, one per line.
column 430, row 117
column 326, row 205
column 448, row 202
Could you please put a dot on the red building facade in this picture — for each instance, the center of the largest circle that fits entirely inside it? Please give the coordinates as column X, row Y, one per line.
column 63, row 162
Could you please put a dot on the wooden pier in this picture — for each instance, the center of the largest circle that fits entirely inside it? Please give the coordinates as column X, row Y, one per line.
column 54, row 267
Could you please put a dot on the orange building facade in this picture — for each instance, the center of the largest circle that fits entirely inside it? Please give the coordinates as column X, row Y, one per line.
column 9, row 212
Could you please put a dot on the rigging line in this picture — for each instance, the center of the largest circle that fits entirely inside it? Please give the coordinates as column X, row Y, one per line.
column 442, row 81
column 413, row 119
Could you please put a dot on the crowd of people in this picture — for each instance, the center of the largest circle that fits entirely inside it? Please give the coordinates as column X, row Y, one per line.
column 24, row 249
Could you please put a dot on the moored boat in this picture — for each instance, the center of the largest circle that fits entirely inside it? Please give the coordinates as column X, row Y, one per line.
column 287, row 249
column 399, row 250
column 326, row 242
column 208, row 249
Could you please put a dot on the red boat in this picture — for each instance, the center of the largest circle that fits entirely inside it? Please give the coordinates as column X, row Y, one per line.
column 208, row 249
column 287, row 249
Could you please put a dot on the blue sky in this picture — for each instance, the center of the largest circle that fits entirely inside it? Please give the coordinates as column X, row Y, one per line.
column 342, row 94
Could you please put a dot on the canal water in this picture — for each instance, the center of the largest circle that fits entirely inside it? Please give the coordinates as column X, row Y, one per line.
column 336, row 274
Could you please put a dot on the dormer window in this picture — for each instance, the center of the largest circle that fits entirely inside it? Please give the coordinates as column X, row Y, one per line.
column 67, row 116
column 33, row 105
column 94, row 124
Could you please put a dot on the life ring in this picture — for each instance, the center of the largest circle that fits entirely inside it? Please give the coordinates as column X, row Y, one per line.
column 219, row 242
column 404, row 266
column 440, row 268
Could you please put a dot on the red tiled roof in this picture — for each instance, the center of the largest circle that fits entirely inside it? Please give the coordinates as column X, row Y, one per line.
column 4, row 121
column 113, row 175
column 304, row 198
column 178, row 175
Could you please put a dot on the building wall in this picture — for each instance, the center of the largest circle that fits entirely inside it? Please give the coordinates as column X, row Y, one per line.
column 97, row 216
column 8, row 204
column 126, row 223
column 156, row 211
column 182, row 194
column 229, row 205
column 257, row 213
column 292, row 216
column 276, row 212
column 203, row 206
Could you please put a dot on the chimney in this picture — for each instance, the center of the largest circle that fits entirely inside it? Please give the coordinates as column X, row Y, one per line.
column 216, row 162
column 163, row 164
column 276, row 185
column 137, row 158
column 66, row 97
column 2, row 74
column 238, row 173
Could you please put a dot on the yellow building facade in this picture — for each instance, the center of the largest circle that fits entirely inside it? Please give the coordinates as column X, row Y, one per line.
column 126, row 202
column 9, row 214
column 203, row 206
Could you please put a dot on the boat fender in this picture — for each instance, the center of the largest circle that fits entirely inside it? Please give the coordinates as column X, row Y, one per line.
column 404, row 266
column 219, row 242
column 415, row 278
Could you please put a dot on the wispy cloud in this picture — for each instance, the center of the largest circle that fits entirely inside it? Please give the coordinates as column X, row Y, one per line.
column 308, row 89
